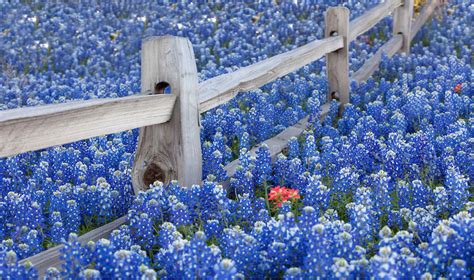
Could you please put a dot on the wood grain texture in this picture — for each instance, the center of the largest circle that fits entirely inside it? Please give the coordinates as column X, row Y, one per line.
column 33, row 128
column 390, row 48
column 171, row 150
column 221, row 89
column 402, row 19
column 337, row 62
column 423, row 16
column 277, row 143
column 369, row 19
column 50, row 257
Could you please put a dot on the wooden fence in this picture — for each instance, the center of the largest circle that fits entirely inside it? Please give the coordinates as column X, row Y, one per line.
column 169, row 142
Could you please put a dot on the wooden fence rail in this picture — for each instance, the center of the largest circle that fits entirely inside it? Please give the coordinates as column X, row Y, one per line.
column 390, row 48
column 221, row 89
column 33, row 128
column 169, row 141
column 369, row 19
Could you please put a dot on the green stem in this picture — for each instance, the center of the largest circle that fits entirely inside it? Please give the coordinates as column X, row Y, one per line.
column 267, row 202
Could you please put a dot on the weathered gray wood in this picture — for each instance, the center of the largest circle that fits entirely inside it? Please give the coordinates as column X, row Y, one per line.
column 220, row 89
column 277, row 143
column 369, row 19
column 50, row 257
column 171, row 150
column 402, row 19
column 423, row 16
column 390, row 48
column 34, row 128
column 337, row 62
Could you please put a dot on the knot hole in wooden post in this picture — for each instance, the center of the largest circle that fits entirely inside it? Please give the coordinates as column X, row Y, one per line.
column 153, row 173
column 162, row 88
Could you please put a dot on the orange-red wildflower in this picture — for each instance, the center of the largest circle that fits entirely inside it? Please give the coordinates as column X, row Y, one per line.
column 281, row 194
column 458, row 88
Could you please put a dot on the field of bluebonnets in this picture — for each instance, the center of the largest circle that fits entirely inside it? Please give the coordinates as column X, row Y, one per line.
column 382, row 191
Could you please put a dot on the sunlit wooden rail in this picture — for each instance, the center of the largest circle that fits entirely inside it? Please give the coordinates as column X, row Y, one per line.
column 50, row 257
column 372, row 64
column 370, row 18
column 33, row 128
column 221, row 89
column 169, row 143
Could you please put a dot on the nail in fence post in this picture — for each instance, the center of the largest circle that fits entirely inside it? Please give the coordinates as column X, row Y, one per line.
column 337, row 63
column 402, row 19
column 171, row 150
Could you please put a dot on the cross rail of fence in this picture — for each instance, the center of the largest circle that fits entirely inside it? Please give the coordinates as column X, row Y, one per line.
column 169, row 143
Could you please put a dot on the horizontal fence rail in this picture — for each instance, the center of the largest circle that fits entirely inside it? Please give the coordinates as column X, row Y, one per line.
column 393, row 45
column 221, row 89
column 277, row 143
column 33, row 128
column 50, row 257
column 369, row 19
column 390, row 48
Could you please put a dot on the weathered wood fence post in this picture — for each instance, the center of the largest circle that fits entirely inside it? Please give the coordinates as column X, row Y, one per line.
column 402, row 20
column 337, row 63
column 170, row 150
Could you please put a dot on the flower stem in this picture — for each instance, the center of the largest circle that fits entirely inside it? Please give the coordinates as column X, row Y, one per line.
column 266, row 196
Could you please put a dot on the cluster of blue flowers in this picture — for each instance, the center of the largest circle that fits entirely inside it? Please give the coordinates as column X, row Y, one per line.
column 385, row 187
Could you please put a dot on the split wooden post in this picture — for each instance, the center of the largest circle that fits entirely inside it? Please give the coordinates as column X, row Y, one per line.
column 337, row 62
column 170, row 150
column 402, row 19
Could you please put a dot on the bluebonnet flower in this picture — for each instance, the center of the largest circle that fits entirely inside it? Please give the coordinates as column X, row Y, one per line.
column 225, row 270
column 293, row 273
column 213, row 228
column 317, row 262
column 316, row 195
column 127, row 262
column 457, row 187
column 440, row 200
column 11, row 268
column 90, row 274
column 361, row 220
column 180, row 215
column 293, row 148
column 346, row 181
column 285, row 208
column 458, row 270
column 241, row 248
column 73, row 257
column 193, row 258
column 341, row 268
column 216, row 167
column 280, row 169
column 103, row 257
column 52, row 273
column 421, row 194
column 73, row 217
column 380, row 187
column 404, row 194
column 242, row 181
column 422, row 222
column 142, row 231
column 384, row 264
column 263, row 167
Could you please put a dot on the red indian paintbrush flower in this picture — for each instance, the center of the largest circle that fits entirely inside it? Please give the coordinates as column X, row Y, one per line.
column 281, row 194
column 458, row 87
